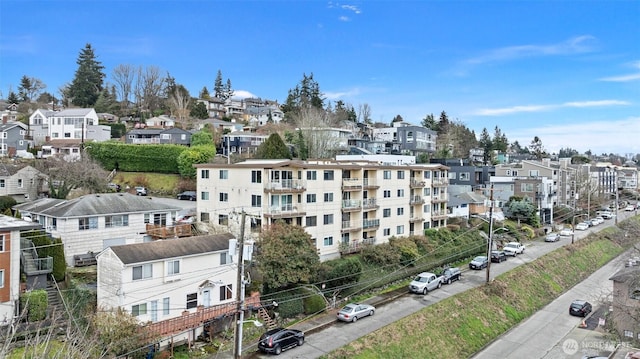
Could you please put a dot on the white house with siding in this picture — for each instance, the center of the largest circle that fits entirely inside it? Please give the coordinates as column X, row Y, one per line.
column 93, row 222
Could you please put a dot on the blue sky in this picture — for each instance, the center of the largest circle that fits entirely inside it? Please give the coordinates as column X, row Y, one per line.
column 565, row 71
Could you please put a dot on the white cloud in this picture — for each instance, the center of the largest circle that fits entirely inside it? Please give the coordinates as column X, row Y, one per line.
column 239, row 94
column 353, row 8
column 540, row 108
column 579, row 44
column 628, row 77
column 344, row 18
column 341, row 94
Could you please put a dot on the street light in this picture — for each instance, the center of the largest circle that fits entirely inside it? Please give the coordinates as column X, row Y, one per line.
column 239, row 343
column 615, row 188
column 490, row 247
column 573, row 225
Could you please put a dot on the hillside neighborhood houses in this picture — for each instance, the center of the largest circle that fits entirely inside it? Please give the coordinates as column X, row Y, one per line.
column 175, row 276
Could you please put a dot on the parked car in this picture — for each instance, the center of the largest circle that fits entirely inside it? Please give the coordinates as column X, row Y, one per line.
column 425, row 282
column 605, row 214
column 580, row 308
column 114, row 187
column 630, row 208
column 513, row 248
column 479, row 262
column 352, row 312
column 582, row 226
column 552, row 237
column 566, row 232
column 498, row 256
column 187, row 196
column 141, row 191
column 451, row 274
column 276, row 340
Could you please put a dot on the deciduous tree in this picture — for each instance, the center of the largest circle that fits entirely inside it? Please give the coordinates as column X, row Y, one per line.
column 286, row 255
column 30, row 88
column 64, row 176
column 123, row 76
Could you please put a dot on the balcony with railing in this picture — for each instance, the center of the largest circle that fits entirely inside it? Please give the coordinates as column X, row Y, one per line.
column 357, row 245
column 416, row 200
column 439, row 198
column 351, row 205
column 416, row 218
column 440, row 181
column 286, row 186
column 369, row 183
column 370, row 223
column 370, row 203
column 351, row 184
column 159, row 231
column 32, row 265
column 284, row 211
column 417, row 183
column 348, row 226
column 436, row 215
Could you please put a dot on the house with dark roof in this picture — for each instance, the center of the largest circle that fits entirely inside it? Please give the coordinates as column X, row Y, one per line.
column 93, row 222
column 22, row 183
column 172, row 285
column 174, row 135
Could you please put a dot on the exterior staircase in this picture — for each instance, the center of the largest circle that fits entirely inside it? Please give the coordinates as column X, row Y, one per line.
column 55, row 307
column 269, row 323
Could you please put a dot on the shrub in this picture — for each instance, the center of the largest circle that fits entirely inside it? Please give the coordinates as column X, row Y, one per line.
column 6, row 202
column 314, row 304
column 290, row 303
column 342, row 271
column 407, row 248
column 382, row 255
column 35, row 303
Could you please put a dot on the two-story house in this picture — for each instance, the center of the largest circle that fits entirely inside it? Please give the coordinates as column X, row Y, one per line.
column 10, row 256
column 171, row 285
column 93, row 222
column 341, row 204
column 22, row 183
column 174, row 135
column 626, row 302
column 242, row 143
column 13, row 138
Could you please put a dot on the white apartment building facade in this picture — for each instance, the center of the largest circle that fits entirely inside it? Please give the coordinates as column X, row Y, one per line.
column 341, row 204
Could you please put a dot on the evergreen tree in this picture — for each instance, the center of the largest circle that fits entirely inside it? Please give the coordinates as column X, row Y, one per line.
column 228, row 90
column 106, row 101
column 204, row 93
column 218, row 86
column 88, row 81
column 199, row 111
column 306, row 94
column 24, row 88
column 500, row 141
column 443, row 123
column 13, row 98
column 536, row 148
column 273, row 148
column 430, row 122
column 487, row 145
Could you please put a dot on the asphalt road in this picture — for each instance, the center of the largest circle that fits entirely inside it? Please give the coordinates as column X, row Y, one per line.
column 340, row 334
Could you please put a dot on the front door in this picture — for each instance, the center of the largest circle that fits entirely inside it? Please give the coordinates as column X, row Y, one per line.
column 206, row 298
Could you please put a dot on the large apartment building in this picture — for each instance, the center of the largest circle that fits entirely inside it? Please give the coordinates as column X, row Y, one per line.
column 341, row 204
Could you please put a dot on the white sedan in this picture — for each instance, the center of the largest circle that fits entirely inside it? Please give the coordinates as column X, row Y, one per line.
column 582, row 226
column 566, row 232
column 630, row 208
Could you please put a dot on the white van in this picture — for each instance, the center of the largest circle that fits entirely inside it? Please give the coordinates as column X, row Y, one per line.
column 604, row 214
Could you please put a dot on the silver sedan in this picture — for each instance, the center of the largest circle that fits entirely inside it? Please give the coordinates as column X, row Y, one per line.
column 352, row 312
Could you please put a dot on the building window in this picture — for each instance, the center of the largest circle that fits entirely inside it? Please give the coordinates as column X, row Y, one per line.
column 311, row 198
column 173, row 267
column 226, row 292
column 224, row 258
column 386, row 212
column 160, row 219
column 400, row 193
column 400, row 230
column 386, row 231
column 400, row 211
column 147, row 218
column 526, row 187
column 224, row 174
column 2, row 185
column 256, row 200
column 205, row 217
column 204, row 195
column 204, row 174
column 224, row 197
column 634, row 294
column 328, row 197
column 400, row 174
column 19, row 182
column 87, row 223
column 426, row 192
column 311, row 221
column 192, row 300
column 311, row 175
column 387, row 194
column 139, row 309
column 165, row 306
column 464, row 176
column 328, row 175
column 223, row 219
column 116, row 221
column 142, row 272
column 386, row 174
column 328, row 219
column 1, row 243
column 256, row 176
column 427, row 174
column 328, row 241
column 628, row 334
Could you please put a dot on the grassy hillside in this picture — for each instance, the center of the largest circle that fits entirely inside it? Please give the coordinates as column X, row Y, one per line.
column 159, row 184
column 461, row 325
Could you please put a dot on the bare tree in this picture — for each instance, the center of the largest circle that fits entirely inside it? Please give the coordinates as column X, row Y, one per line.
column 148, row 88
column 315, row 125
column 123, row 76
column 364, row 113
column 64, row 176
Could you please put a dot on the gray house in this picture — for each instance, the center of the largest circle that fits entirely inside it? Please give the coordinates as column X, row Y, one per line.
column 13, row 138
column 174, row 135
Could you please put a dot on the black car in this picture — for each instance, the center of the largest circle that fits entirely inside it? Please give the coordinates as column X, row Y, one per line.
column 479, row 262
column 451, row 274
column 187, row 196
column 276, row 340
column 498, row 256
column 580, row 308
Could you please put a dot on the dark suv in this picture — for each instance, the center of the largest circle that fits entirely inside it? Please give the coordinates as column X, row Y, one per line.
column 276, row 340
column 451, row 274
column 498, row 256
column 580, row 308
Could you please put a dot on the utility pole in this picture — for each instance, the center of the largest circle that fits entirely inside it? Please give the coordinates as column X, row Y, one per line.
column 490, row 244
column 615, row 188
column 240, row 288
